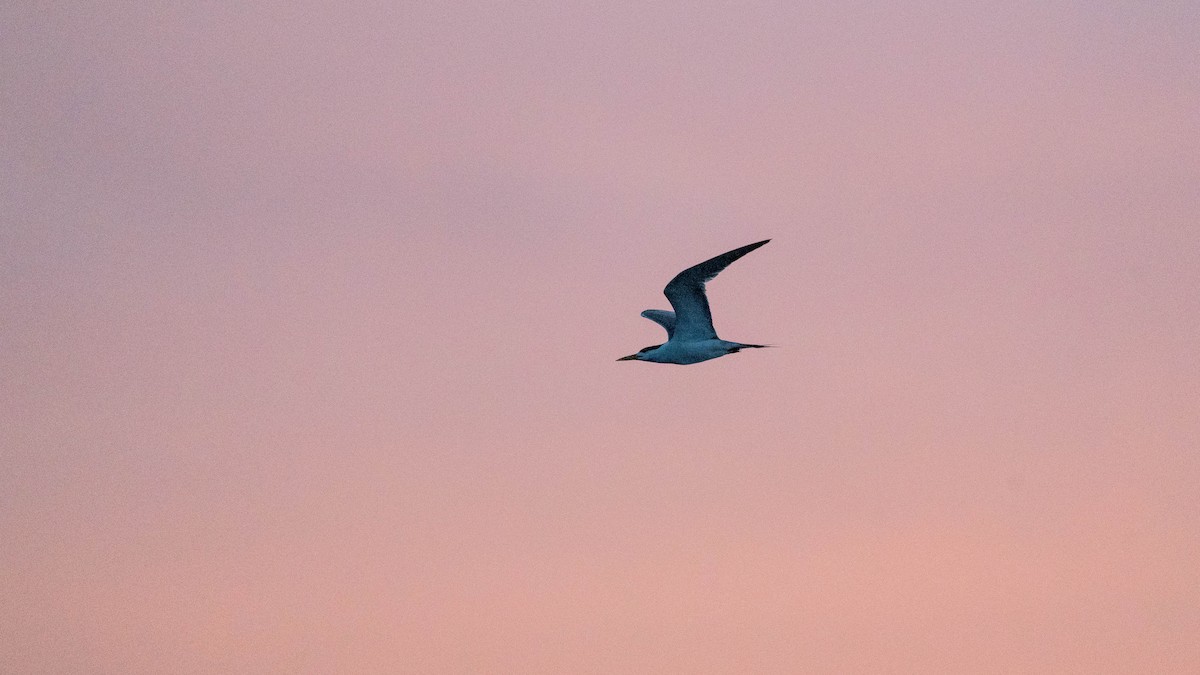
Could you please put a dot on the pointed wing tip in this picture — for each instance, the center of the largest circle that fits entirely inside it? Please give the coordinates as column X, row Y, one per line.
column 743, row 250
column 739, row 252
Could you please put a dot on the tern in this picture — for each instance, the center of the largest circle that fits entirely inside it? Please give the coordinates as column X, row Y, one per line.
column 690, row 334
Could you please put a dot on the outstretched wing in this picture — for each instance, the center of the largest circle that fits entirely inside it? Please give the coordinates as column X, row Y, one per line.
column 693, row 318
column 662, row 317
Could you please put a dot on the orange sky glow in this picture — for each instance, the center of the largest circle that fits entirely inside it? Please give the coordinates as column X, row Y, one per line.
column 311, row 312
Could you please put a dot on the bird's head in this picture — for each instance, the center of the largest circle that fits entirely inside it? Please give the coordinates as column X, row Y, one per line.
column 641, row 355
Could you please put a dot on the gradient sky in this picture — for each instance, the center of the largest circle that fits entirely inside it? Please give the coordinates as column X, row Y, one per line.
column 310, row 313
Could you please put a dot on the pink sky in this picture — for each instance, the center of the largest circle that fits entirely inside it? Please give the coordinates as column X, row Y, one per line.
column 310, row 313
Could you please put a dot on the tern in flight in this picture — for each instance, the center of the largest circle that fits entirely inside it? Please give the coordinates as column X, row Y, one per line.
column 690, row 334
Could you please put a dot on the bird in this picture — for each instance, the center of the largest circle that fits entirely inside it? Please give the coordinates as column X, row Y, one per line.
column 690, row 334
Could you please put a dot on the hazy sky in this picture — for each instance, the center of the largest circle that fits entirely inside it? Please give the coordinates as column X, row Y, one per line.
column 310, row 311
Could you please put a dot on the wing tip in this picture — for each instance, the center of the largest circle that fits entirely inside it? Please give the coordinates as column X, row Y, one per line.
column 749, row 247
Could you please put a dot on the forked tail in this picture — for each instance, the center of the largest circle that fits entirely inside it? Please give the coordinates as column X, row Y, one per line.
column 741, row 346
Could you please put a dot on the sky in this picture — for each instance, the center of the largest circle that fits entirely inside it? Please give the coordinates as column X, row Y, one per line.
column 310, row 314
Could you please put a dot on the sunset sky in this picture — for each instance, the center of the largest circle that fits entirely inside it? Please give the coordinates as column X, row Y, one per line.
column 309, row 314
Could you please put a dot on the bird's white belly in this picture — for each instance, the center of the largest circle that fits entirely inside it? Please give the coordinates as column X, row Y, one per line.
column 692, row 351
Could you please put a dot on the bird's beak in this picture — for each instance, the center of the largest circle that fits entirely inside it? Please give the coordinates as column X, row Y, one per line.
column 631, row 357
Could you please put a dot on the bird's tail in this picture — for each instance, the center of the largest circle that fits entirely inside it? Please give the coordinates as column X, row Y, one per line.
column 742, row 346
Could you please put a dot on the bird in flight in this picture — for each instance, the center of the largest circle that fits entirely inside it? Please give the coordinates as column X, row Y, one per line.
column 690, row 334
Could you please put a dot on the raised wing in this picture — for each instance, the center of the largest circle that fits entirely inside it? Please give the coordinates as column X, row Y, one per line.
column 662, row 317
column 693, row 318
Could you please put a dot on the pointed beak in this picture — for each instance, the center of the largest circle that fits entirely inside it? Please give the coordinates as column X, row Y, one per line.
column 631, row 357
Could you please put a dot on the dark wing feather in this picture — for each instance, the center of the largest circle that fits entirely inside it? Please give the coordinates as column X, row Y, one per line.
column 693, row 318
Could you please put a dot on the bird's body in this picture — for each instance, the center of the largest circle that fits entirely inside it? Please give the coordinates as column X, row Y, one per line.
column 684, row 353
column 690, row 334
